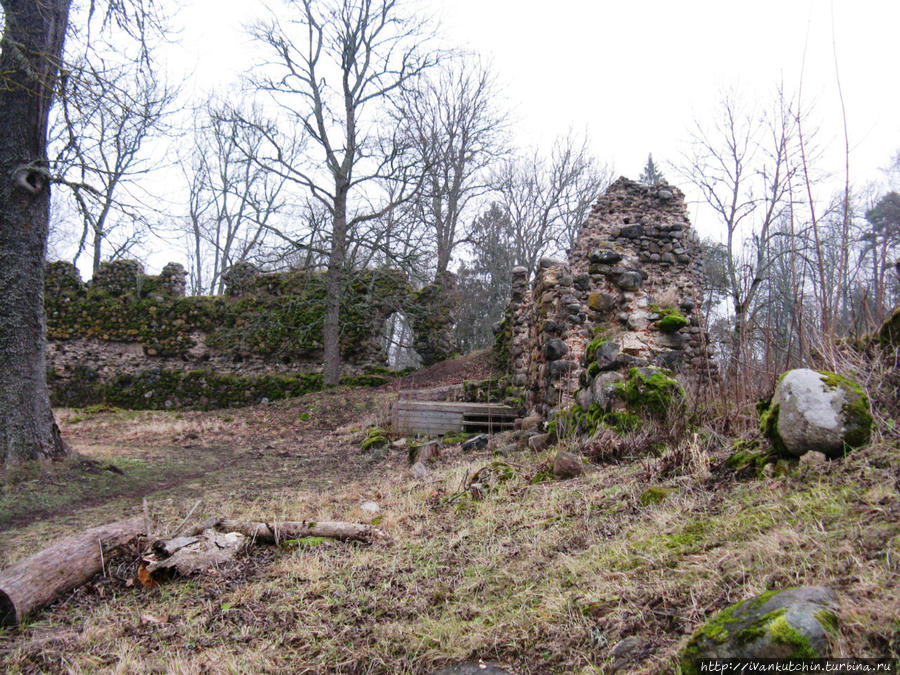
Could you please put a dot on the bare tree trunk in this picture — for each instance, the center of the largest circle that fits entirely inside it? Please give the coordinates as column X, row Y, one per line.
column 30, row 52
column 98, row 247
column 331, row 330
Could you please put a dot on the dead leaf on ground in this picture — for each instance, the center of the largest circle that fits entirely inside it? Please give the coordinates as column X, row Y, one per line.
column 146, row 579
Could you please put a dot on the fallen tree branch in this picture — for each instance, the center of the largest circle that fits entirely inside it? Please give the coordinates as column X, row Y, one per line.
column 36, row 581
column 277, row 532
column 186, row 519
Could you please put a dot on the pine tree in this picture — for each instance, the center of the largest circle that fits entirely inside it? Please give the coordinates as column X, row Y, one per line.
column 651, row 175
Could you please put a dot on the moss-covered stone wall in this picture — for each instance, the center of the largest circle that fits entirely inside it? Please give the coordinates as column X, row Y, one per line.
column 135, row 340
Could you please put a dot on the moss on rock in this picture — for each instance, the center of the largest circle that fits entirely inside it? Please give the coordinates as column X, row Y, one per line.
column 670, row 319
column 768, row 425
column 376, row 437
column 793, row 623
column 807, row 432
column 650, row 390
column 856, row 411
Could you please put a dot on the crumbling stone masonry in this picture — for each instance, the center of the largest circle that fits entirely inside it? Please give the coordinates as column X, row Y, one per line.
column 134, row 340
column 628, row 297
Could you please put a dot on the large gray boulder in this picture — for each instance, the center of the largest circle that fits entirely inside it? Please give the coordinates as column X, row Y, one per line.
column 816, row 410
column 789, row 624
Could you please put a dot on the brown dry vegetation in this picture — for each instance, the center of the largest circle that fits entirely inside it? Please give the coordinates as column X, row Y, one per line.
column 539, row 576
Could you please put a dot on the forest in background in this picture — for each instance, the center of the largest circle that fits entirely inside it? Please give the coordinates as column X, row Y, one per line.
column 359, row 142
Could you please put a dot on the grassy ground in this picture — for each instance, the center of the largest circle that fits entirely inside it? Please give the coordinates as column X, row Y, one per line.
column 539, row 576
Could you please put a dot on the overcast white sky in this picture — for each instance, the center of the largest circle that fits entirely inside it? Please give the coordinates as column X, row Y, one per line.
column 634, row 75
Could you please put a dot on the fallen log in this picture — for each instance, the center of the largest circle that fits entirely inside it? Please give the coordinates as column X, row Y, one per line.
column 277, row 532
column 187, row 555
column 36, row 581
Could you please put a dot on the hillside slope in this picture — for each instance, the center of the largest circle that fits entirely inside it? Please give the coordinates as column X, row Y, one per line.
column 538, row 575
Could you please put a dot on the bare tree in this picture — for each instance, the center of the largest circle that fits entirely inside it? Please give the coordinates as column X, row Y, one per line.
column 454, row 125
column 337, row 70
column 108, row 112
column 548, row 199
column 233, row 202
column 742, row 170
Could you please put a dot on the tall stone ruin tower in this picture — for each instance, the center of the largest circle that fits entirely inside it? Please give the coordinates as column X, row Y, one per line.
column 632, row 278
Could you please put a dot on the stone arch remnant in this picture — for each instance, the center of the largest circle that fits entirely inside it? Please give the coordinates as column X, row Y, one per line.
column 627, row 297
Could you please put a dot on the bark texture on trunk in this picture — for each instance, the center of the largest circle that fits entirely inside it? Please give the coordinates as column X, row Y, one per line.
column 40, row 579
column 30, row 54
column 331, row 330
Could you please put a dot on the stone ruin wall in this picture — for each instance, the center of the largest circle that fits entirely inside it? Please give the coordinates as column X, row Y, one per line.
column 136, row 340
column 636, row 258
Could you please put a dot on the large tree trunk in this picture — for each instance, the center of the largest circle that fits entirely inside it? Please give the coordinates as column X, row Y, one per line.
column 40, row 579
column 331, row 331
column 30, row 53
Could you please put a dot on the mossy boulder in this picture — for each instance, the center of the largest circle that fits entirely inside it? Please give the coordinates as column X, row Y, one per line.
column 789, row 624
column 816, row 410
column 376, row 438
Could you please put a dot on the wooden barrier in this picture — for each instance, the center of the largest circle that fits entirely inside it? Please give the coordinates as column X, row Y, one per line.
column 432, row 418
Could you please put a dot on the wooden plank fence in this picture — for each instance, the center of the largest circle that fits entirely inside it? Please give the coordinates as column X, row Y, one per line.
column 432, row 418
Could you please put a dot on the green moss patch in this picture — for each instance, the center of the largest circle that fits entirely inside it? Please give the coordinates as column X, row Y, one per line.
column 768, row 425
column 376, row 437
column 749, row 458
column 456, row 438
column 502, row 342
column 590, row 352
column 670, row 319
column 855, row 410
column 654, row 495
column 650, row 390
column 784, row 633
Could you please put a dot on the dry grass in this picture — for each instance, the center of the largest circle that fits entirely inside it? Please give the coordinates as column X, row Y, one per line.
column 544, row 577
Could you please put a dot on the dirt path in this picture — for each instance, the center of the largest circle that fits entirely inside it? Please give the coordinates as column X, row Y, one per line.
column 239, row 458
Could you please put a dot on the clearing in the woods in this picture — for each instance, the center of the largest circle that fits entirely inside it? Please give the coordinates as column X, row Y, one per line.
column 538, row 575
